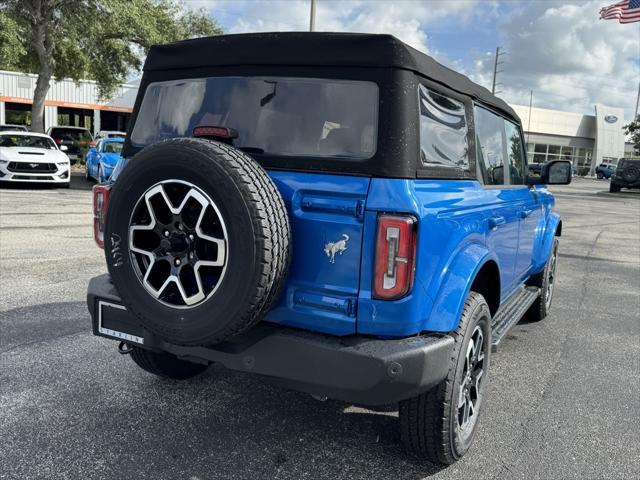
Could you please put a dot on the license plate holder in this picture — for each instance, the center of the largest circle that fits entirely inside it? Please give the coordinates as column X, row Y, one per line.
column 116, row 322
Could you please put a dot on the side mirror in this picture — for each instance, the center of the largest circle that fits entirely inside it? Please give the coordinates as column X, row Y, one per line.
column 556, row 172
column 92, row 150
column 63, row 148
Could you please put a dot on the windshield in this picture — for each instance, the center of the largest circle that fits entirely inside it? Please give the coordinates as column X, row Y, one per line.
column 27, row 141
column 274, row 115
column 112, row 147
column 71, row 134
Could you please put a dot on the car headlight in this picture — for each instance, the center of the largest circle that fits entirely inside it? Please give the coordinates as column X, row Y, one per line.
column 2, row 162
column 63, row 163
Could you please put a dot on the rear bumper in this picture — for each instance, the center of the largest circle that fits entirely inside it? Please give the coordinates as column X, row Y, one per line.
column 355, row 369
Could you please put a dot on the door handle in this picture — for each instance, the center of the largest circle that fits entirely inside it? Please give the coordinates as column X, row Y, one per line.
column 525, row 213
column 495, row 221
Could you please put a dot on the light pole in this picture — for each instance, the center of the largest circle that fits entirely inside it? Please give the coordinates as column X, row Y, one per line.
column 312, row 16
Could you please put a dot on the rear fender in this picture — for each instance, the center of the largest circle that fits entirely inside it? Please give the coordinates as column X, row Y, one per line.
column 544, row 242
column 454, row 290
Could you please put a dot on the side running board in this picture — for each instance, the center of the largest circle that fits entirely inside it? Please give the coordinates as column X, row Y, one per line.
column 511, row 312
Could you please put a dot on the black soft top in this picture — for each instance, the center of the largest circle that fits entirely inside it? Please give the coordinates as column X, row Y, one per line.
column 315, row 49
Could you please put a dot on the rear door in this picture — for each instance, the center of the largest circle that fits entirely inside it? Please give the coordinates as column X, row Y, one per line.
column 326, row 214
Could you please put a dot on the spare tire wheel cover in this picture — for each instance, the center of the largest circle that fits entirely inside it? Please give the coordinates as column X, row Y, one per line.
column 197, row 240
column 631, row 174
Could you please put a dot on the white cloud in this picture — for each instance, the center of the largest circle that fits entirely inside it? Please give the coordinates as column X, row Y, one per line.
column 408, row 20
column 569, row 58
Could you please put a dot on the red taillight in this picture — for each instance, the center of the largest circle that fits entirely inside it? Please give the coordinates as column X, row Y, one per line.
column 395, row 256
column 100, row 202
column 222, row 133
column 58, row 141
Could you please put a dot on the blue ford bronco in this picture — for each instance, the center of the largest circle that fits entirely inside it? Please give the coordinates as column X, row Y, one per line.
column 337, row 213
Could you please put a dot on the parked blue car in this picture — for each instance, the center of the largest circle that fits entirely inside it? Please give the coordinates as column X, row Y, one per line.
column 605, row 170
column 102, row 159
column 336, row 213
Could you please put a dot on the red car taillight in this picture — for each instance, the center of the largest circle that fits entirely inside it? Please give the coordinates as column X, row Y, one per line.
column 395, row 256
column 100, row 202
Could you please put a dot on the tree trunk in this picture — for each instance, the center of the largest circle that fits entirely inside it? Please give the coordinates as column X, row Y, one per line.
column 42, row 42
column 39, row 95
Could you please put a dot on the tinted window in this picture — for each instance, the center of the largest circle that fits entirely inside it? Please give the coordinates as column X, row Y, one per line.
column 71, row 134
column 275, row 115
column 112, row 147
column 490, row 146
column 443, row 130
column 517, row 162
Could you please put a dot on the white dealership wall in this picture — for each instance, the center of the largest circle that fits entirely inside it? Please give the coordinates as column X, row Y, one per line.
column 18, row 87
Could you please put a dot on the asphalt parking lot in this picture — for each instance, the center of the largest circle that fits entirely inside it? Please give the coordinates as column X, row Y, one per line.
column 564, row 397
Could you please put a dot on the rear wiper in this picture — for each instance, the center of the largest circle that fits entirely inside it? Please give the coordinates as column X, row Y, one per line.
column 251, row 149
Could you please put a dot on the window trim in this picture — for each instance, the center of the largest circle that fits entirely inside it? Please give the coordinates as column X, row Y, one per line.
column 440, row 172
column 522, row 149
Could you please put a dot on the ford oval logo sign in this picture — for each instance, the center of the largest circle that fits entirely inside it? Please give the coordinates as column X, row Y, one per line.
column 611, row 119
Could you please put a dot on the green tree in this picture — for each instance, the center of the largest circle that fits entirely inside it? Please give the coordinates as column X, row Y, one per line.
column 102, row 40
column 633, row 129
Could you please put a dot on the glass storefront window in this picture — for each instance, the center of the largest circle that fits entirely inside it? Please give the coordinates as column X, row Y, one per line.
column 554, row 150
column 540, row 149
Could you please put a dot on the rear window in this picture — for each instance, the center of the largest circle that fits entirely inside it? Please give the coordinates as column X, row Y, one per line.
column 278, row 116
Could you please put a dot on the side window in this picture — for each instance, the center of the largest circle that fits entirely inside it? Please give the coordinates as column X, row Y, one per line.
column 490, row 146
column 443, row 131
column 517, row 162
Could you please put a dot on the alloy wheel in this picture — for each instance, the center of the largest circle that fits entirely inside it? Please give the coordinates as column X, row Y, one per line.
column 178, row 243
column 470, row 388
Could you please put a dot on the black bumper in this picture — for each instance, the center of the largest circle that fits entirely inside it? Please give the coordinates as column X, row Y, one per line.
column 355, row 369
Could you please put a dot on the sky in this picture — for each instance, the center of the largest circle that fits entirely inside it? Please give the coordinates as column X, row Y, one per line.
column 557, row 48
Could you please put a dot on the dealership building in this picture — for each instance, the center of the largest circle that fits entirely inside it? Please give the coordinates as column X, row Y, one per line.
column 67, row 103
column 586, row 140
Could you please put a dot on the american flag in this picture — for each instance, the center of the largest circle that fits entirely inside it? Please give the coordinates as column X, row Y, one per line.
column 627, row 11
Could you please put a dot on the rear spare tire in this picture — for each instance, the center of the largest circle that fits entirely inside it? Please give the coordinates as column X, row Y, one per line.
column 197, row 240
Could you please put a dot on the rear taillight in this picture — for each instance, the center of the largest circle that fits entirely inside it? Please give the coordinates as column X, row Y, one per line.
column 58, row 141
column 395, row 256
column 100, row 202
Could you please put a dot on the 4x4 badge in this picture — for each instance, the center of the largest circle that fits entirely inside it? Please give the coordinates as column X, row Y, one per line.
column 331, row 248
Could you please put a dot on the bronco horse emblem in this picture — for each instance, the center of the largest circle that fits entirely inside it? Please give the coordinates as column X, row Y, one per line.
column 331, row 248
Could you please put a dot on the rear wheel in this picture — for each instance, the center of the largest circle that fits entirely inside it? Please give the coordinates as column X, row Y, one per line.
column 439, row 425
column 166, row 365
column 599, row 175
column 614, row 188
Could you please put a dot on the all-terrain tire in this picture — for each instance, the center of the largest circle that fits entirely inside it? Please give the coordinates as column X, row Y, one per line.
column 166, row 365
column 429, row 423
column 631, row 173
column 545, row 282
column 258, row 245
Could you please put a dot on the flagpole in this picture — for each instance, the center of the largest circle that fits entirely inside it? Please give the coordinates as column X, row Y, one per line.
column 637, row 102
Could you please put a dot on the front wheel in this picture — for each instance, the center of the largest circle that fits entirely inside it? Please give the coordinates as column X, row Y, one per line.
column 545, row 281
column 439, row 425
column 599, row 175
column 166, row 365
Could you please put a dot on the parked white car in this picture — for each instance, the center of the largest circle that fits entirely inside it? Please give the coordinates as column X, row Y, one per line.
column 32, row 157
